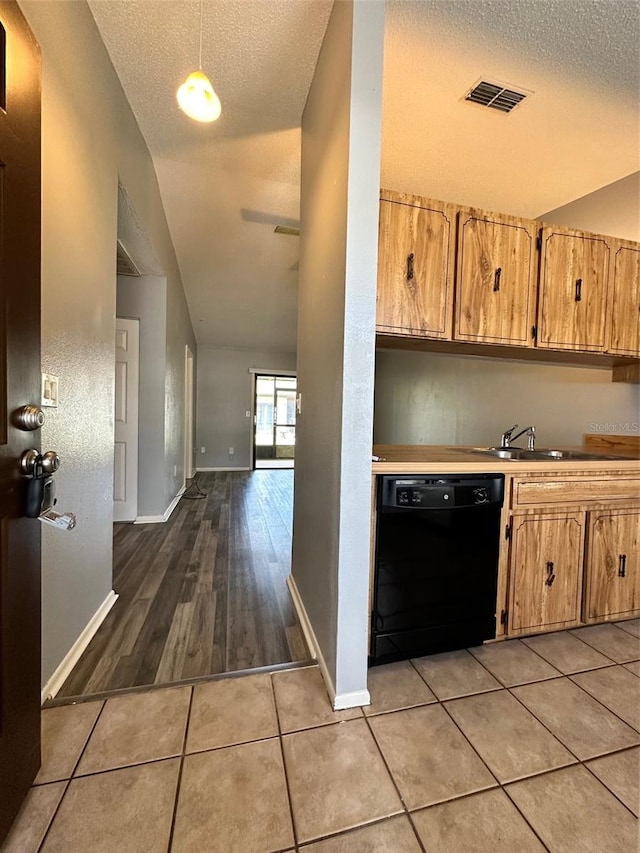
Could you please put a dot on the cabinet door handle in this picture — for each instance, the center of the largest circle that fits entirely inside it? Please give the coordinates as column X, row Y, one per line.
column 622, row 565
column 579, row 290
column 550, row 575
column 496, row 280
column 410, row 259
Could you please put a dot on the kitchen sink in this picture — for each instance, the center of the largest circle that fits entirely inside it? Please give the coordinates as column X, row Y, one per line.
column 543, row 454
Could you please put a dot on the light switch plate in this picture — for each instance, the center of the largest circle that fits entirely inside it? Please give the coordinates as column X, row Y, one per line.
column 49, row 390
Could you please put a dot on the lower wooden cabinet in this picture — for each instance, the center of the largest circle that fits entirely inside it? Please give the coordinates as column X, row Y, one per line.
column 612, row 565
column 545, row 572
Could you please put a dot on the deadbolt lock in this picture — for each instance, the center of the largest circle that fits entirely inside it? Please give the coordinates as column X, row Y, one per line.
column 29, row 418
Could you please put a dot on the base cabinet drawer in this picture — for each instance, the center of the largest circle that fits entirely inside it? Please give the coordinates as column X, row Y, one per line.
column 555, row 491
column 612, row 565
column 545, row 580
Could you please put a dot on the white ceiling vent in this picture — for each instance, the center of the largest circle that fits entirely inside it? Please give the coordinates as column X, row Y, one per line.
column 498, row 96
column 125, row 263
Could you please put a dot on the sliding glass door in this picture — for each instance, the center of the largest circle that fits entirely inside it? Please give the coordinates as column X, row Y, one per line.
column 275, row 421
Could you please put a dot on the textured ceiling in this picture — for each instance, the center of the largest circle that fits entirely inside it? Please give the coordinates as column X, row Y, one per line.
column 225, row 186
column 578, row 131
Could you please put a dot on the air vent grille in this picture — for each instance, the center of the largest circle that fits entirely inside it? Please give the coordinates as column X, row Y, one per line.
column 125, row 264
column 496, row 96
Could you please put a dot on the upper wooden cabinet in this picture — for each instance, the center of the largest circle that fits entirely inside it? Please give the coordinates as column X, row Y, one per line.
column 496, row 279
column 466, row 276
column 612, row 579
column 416, row 247
column 574, row 272
column 624, row 299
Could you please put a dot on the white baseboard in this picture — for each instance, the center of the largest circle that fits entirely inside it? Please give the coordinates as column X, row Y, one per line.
column 339, row 701
column 351, row 700
column 223, row 469
column 72, row 657
column 160, row 519
column 305, row 624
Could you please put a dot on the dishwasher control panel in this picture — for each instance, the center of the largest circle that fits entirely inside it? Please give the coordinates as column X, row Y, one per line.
column 445, row 492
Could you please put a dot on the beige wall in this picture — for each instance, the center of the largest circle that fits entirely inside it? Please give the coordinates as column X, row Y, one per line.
column 614, row 210
column 423, row 398
column 90, row 140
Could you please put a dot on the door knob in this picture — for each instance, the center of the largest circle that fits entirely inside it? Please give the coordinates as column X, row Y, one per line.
column 50, row 462
column 29, row 418
column 34, row 464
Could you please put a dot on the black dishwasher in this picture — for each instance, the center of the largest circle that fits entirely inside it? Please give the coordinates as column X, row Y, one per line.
column 436, row 567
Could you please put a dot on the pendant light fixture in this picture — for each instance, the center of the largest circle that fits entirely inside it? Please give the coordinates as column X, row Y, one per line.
column 196, row 96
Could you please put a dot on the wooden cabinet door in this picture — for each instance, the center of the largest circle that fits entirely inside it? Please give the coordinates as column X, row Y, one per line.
column 624, row 300
column 496, row 279
column 545, row 572
column 574, row 270
column 416, row 246
column 612, row 565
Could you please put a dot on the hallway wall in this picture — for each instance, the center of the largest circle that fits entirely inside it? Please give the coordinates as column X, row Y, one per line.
column 90, row 141
column 336, row 333
column 223, row 399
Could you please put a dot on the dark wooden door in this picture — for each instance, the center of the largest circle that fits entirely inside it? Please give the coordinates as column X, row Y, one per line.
column 19, row 386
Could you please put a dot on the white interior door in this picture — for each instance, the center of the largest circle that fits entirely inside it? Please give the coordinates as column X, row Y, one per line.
column 125, row 454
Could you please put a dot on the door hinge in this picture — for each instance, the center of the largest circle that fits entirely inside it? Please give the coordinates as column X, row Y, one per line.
column 504, row 618
column 507, row 532
column 534, row 332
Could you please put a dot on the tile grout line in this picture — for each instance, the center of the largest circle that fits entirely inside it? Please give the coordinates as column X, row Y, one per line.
column 599, row 701
column 294, row 828
column 332, row 836
column 395, row 785
column 556, row 678
column 519, row 639
column 71, row 776
column 579, row 761
column 606, row 787
column 501, row 786
column 622, row 628
column 180, row 770
column 567, row 631
column 604, row 654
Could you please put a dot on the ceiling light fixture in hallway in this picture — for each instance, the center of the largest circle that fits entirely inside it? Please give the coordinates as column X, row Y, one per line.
column 196, row 97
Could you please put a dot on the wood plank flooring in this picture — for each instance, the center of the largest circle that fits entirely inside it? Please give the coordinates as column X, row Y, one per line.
column 202, row 594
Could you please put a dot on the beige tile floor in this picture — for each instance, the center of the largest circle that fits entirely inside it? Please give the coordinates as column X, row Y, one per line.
column 525, row 745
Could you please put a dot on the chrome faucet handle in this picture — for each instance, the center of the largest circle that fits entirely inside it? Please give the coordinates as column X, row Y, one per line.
column 505, row 438
column 531, row 438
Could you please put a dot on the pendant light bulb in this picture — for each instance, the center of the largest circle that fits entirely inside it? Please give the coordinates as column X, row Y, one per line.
column 197, row 99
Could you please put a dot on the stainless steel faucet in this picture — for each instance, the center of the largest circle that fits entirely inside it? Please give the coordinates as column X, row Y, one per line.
column 507, row 436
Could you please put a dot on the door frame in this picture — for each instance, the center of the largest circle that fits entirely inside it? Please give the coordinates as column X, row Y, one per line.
column 189, row 400
column 132, row 472
column 260, row 371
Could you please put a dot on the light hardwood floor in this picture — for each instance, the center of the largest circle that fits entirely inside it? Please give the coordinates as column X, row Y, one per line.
column 203, row 593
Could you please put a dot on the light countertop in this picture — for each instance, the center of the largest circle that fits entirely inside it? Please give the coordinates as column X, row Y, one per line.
column 426, row 459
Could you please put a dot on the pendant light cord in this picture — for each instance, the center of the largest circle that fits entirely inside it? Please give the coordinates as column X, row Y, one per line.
column 200, row 54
